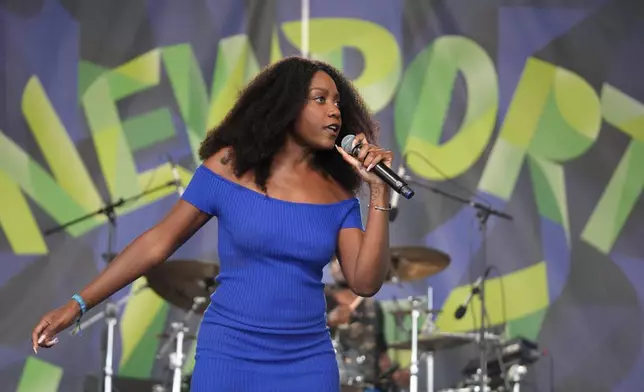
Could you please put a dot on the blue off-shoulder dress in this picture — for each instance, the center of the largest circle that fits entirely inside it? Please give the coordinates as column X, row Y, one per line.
column 265, row 328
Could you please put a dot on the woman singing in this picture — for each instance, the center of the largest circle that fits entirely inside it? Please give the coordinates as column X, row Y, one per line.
column 284, row 195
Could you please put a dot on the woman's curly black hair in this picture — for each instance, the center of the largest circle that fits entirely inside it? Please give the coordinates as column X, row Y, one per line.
column 257, row 126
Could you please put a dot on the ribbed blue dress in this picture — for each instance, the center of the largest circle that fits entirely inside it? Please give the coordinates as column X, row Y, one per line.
column 265, row 328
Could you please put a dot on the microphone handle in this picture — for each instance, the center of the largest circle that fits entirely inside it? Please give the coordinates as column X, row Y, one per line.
column 390, row 177
column 462, row 309
column 460, row 312
column 476, row 287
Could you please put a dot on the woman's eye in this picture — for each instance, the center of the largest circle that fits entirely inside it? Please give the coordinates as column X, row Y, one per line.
column 319, row 99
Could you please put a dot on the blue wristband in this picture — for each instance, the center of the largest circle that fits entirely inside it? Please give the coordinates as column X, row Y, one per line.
column 81, row 303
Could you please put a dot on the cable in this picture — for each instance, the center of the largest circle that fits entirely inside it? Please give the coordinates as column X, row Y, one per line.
column 552, row 371
column 149, row 184
column 497, row 351
column 450, row 180
column 503, row 298
column 504, row 322
column 471, row 256
column 425, row 186
column 484, row 250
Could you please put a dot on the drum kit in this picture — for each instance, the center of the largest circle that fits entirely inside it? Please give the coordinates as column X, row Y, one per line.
column 509, row 360
column 188, row 284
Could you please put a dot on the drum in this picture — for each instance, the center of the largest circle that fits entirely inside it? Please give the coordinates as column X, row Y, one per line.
column 350, row 367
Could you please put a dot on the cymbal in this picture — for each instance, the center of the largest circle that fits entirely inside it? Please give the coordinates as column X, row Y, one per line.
column 437, row 341
column 180, row 281
column 416, row 262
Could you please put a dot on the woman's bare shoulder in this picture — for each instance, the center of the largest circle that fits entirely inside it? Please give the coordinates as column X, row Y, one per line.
column 222, row 163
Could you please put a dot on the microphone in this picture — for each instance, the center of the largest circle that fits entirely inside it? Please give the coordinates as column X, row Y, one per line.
column 462, row 309
column 382, row 171
column 175, row 175
column 393, row 203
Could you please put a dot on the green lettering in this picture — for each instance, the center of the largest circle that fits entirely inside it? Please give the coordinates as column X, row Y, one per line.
column 627, row 183
column 423, row 101
column 554, row 116
column 378, row 47
column 99, row 102
column 236, row 65
column 20, row 170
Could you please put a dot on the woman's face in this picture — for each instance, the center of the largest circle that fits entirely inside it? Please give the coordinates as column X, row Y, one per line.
column 319, row 122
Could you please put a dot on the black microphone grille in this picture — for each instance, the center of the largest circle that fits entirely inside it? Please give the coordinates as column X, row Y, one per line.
column 347, row 143
column 460, row 312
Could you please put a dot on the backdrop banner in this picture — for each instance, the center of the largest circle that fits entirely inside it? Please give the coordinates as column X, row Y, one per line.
column 531, row 107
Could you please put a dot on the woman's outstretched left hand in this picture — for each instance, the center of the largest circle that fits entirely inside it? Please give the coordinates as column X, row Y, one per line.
column 367, row 158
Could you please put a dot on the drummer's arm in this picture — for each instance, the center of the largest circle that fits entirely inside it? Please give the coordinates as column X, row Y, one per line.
column 384, row 362
column 149, row 249
column 400, row 376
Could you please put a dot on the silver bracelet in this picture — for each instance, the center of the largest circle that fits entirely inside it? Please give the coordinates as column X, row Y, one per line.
column 375, row 207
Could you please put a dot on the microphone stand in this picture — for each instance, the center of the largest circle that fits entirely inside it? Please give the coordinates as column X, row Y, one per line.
column 177, row 336
column 111, row 309
column 108, row 210
column 483, row 212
